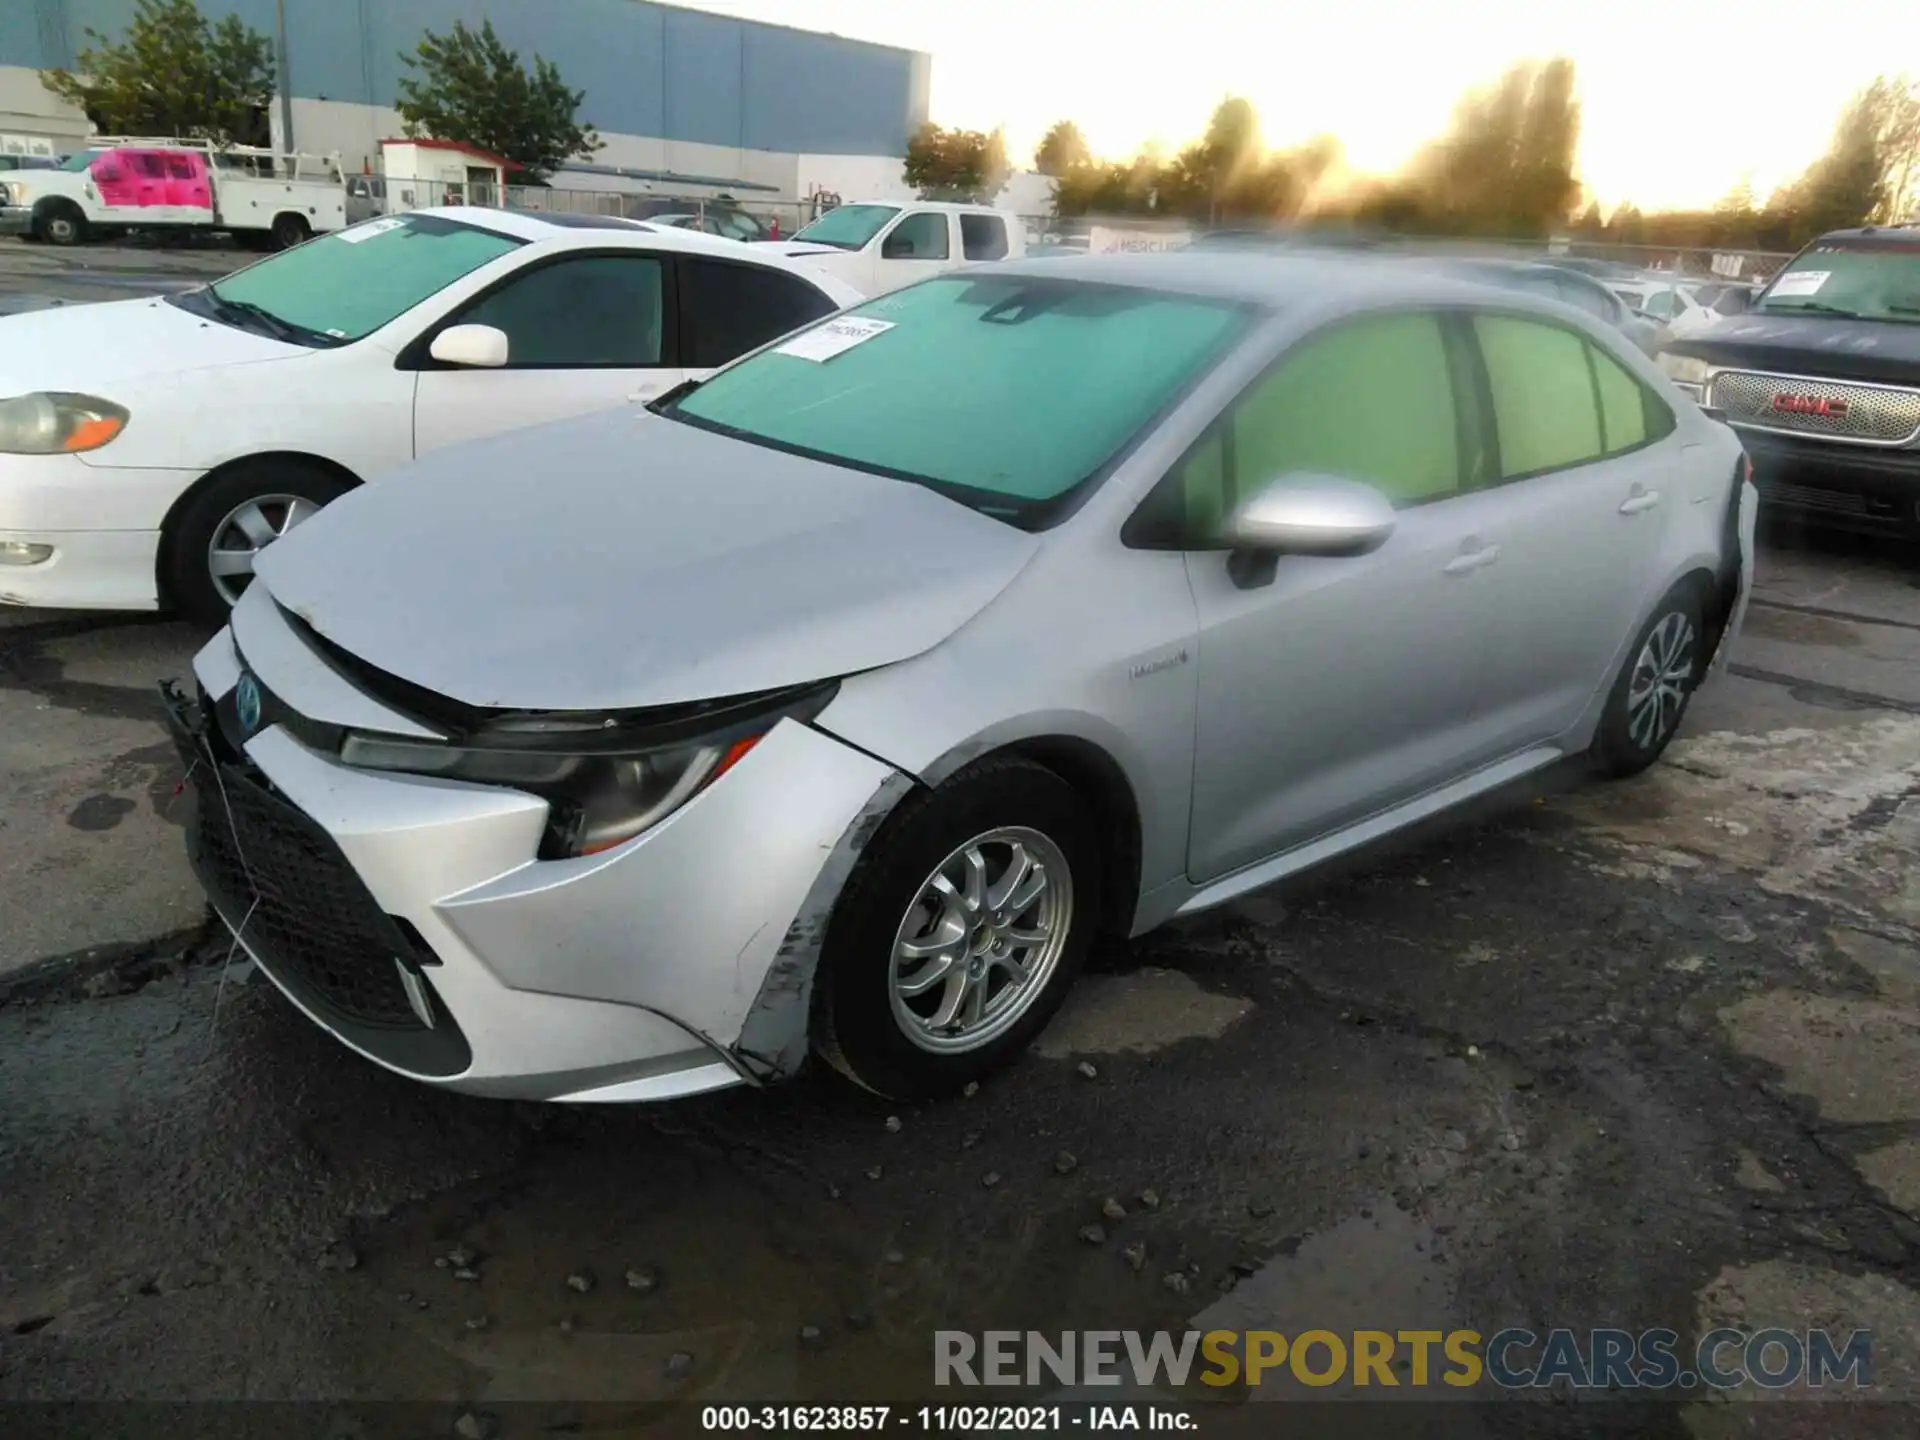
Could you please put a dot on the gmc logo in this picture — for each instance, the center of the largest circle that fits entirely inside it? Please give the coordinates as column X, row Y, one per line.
column 1790, row 404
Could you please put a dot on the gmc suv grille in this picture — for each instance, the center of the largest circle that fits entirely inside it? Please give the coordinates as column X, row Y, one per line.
column 1835, row 409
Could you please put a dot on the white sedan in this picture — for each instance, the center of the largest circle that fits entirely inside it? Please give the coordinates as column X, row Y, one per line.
column 150, row 449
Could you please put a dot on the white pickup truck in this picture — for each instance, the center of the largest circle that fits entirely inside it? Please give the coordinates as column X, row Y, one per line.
column 262, row 198
column 877, row 246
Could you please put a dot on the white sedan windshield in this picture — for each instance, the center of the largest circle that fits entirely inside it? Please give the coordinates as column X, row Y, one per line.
column 348, row 285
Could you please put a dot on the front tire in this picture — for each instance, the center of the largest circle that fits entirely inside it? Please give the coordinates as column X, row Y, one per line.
column 215, row 538
column 960, row 931
column 1649, row 696
column 61, row 222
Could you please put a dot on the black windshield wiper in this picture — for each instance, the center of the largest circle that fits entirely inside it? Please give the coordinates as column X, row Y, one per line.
column 658, row 405
column 265, row 319
column 1813, row 306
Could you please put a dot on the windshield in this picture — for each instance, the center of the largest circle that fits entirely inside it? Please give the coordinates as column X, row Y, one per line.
column 1865, row 282
column 1005, row 392
column 848, row 227
column 81, row 159
column 340, row 287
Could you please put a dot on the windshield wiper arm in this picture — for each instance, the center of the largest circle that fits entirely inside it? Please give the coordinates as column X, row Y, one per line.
column 272, row 323
column 660, row 402
column 1817, row 306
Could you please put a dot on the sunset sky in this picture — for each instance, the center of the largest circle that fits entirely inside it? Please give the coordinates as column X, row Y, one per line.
column 1679, row 103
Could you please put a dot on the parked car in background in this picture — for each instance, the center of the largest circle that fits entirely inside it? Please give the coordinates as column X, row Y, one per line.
column 1570, row 287
column 728, row 224
column 366, row 197
column 1713, row 302
column 258, row 196
column 29, row 162
column 1661, row 298
column 1586, row 265
column 1821, row 378
column 152, row 448
column 879, row 247
column 870, row 693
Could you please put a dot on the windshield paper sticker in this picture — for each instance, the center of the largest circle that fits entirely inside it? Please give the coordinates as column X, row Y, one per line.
column 823, row 342
column 371, row 229
column 1799, row 282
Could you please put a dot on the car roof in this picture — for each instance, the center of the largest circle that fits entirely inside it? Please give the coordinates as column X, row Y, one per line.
column 1879, row 234
column 536, row 226
column 1276, row 277
column 565, row 231
column 971, row 209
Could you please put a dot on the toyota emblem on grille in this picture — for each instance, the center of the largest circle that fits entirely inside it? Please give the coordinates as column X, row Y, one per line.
column 246, row 704
column 1788, row 403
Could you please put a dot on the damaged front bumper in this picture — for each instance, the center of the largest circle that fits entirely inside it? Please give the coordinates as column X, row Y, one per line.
column 409, row 916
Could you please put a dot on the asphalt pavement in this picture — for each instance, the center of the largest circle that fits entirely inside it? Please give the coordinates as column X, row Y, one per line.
column 1644, row 1054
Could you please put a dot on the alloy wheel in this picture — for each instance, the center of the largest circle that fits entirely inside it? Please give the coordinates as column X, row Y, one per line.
column 1662, row 675
column 981, row 940
column 247, row 530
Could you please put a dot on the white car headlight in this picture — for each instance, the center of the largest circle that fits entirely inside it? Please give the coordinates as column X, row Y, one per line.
column 1683, row 369
column 53, row 422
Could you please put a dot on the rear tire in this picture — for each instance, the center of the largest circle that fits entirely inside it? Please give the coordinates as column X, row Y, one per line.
column 236, row 514
column 1649, row 696
column 895, row 927
column 290, row 230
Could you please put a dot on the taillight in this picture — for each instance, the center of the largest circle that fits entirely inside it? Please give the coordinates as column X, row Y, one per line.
column 1746, row 468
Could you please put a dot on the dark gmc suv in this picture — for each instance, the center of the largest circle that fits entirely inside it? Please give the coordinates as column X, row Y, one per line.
column 1821, row 378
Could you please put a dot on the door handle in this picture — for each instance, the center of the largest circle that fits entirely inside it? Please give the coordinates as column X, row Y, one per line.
column 1473, row 560
column 1639, row 501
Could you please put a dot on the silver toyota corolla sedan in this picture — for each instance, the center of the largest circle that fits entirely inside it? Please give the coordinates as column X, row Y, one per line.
column 839, row 704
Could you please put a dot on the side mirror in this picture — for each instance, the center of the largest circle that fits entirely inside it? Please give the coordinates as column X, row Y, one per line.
column 1305, row 514
column 477, row 346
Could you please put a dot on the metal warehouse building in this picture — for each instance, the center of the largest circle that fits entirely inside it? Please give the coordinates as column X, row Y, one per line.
column 676, row 94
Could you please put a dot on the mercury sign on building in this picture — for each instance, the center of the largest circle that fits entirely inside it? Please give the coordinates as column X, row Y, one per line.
column 1112, row 239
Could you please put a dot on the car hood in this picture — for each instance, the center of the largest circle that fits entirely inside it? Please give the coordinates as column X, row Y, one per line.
column 799, row 247
column 624, row 560
column 88, row 348
column 1820, row 345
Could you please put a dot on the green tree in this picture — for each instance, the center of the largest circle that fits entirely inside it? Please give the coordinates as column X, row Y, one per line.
column 1847, row 184
column 1505, row 165
column 469, row 86
column 1894, row 105
column 956, row 164
column 1062, row 150
column 174, row 73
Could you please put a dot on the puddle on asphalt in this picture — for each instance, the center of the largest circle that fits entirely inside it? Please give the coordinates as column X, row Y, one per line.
column 1374, row 1271
column 743, row 1276
column 748, row 1287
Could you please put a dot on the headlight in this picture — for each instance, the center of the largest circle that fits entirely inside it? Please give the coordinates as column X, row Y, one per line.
column 54, row 423
column 1684, row 369
column 606, row 778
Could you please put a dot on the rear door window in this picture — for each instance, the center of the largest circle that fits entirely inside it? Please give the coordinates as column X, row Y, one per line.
column 1545, row 406
column 727, row 310
column 1631, row 415
column 983, row 237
